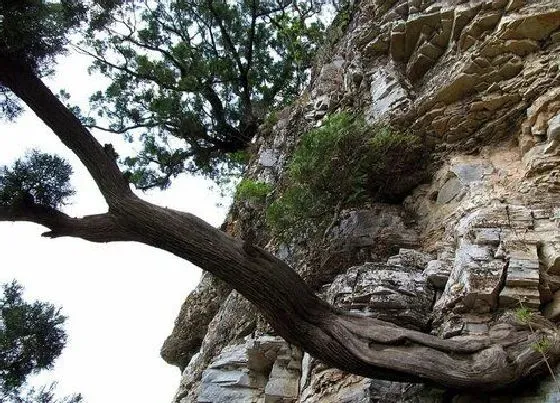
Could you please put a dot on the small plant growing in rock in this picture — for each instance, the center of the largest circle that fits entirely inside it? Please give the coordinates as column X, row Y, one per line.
column 524, row 315
column 344, row 163
column 253, row 191
column 271, row 119
column 541, row 346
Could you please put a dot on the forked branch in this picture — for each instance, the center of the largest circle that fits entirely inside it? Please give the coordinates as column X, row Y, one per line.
column 95, row 228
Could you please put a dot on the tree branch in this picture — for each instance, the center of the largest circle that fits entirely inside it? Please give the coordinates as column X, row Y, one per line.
column 251, row 34
column 22, row 81
column 226, row 37
column 95, row 228
column 130, row 72
column 357, row 344
column 243, row 70
column 219, row 113
column 165, row 53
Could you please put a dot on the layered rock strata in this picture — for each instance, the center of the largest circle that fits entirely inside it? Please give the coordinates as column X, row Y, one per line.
column 479, row 81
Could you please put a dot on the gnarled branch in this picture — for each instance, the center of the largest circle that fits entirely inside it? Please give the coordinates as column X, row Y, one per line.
column 23, row 82
column 357, row 344
column 95, row 228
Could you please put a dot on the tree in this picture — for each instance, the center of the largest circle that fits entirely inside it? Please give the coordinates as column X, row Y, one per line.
column 45, row 394
column 201, row 73
column 361, row 345
column 34, row 31
column 31, row 338
column 41, row 178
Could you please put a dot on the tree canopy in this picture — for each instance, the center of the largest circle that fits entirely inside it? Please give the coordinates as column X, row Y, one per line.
column 34, row 31
column 190, row 80
column 39, row 178
column 358, row 344
column 45, row 394
column 196, row 78
column 31, row 338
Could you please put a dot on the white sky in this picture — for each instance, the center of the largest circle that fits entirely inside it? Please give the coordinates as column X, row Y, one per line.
column 121, row 298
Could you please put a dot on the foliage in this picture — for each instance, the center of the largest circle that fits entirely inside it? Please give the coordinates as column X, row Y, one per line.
column 39, row 178
column 33, row 32
column 10, row 106
column 271, row 119
column 31, row 336
column 542, row 345
column 344, row 162
column 523, row 315
column 239, row 158
column 45, row 394
column 193, row 80
column 253, row 191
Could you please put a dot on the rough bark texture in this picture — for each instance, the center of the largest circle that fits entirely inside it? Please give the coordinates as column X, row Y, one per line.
column 355, row 343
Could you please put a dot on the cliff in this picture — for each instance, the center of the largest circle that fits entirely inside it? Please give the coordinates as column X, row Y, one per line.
column 461, row 245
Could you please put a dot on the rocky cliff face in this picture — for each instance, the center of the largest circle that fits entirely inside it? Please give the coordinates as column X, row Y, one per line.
column 479, row 81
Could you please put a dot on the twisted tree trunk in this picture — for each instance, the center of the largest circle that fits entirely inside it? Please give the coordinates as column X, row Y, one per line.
column 357, row 344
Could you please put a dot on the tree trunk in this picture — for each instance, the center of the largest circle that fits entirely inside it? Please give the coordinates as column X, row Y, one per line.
column 357, row 344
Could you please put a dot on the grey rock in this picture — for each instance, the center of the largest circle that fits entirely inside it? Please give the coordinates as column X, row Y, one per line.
column 282, row 385
column 397, row 294
column 476, row 328
column 259, row 370
column 553, row 134
column 475, row 280
column 488, row 236
column 268, row 157
column 379, row 224
column 437, row 272
column 450, row 190
column 411, row 258
column 511, row 297
column 306, row 364
column 552, row 309
column 468, row 173
column 523, row 273
column 387, row 93
column 191, row 324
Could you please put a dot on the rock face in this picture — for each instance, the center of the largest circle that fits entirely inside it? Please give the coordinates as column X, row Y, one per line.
column 192, row 323
column 479, row 81
column 260, row 370
column 394, row 293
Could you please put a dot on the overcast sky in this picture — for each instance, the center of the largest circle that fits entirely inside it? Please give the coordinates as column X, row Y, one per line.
column 121, row 298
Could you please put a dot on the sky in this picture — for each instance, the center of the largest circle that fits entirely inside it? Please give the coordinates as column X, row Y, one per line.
column 121, row 298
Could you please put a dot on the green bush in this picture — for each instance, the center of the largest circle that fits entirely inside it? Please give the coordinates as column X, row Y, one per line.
column 249, row 190
column 39, row 178
column 345, row 163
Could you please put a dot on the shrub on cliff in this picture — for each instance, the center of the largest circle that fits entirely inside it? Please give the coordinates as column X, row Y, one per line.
column 344, row 163
column 252, row 191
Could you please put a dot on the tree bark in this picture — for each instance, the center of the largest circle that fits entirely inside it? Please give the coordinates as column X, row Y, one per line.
column 357, row 344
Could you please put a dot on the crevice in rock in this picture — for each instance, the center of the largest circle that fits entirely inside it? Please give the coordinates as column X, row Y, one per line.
column 501, row 284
